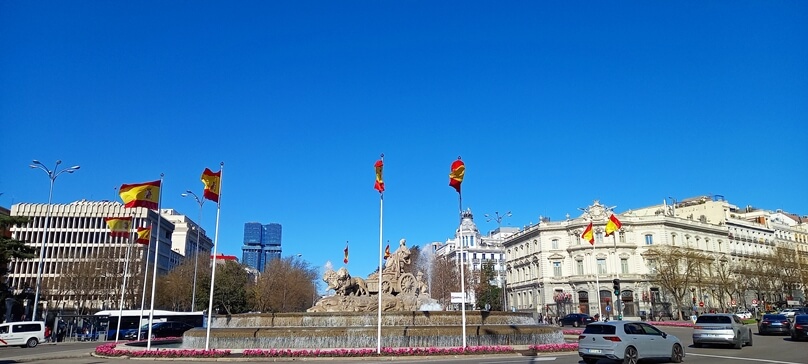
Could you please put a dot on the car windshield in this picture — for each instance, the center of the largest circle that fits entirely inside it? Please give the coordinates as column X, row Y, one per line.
column 774, row 317
column 599, row 329
column 801, row 319
column 714, row 320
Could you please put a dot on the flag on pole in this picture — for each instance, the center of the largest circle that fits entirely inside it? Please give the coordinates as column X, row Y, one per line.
column 387, row 252
column 457, row 174
column 346, row 254
column 379, row 186
column 143, row 235
column 589, row 234
column 212, row 181
column 119, row 226
column 613, row 225
column 145, row 194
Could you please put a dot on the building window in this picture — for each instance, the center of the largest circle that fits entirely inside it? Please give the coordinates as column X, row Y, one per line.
column 557, row 269
column 649, row 239
column 554, row 244
column 579, row 267
column 601, row 266
column 598, row 238
column 624, row 265
column 622, row 236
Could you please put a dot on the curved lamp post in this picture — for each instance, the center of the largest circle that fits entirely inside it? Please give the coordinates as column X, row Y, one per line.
column 52, row 174
column 201, row 202
column 497, row 217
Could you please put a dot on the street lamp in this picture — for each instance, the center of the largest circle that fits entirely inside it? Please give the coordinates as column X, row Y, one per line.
column 497, row 217
column 201, row 202
column 52, row 174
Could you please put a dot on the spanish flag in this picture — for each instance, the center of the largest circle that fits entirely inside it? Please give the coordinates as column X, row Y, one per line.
column 141, row 194
column 379, row 181
column 119, row 226
column 589, row 234
column 212, row 183
column 143, row 235
column 387, row 252
column 457, row 174
column 346, row 254
column 613, row 225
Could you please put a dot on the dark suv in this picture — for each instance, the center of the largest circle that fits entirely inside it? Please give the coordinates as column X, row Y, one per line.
column 576, row 319
column 161, row 329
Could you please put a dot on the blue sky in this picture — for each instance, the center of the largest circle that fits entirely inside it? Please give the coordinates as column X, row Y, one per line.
column 551, row 105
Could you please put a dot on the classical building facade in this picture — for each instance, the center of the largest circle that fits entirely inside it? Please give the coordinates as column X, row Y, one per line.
column 553, row 270
column 83, row 265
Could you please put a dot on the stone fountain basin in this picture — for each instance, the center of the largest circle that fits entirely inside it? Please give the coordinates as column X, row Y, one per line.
column 325, row 330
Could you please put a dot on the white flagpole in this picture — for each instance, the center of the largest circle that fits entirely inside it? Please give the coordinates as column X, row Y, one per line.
column 381, row 254
column 213, row 269
column 145, row 277
column 462, row 274
column 597, row 278
column 156, row 259
column 125, row 275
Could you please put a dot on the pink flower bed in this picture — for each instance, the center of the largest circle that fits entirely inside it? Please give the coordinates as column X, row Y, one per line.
column 572, row 331
column 554, row 348
column 109, row 350
column 672, row 323
column 288, row 353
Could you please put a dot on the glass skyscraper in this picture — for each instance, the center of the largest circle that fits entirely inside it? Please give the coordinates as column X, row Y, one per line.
column 262, row 243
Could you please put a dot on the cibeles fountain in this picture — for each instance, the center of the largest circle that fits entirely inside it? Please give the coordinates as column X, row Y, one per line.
column 349, row 318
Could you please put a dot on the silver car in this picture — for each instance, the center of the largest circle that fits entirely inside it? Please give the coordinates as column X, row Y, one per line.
column 721, row 328
column 627, row 341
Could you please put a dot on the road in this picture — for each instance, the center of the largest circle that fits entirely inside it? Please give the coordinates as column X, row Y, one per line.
column 766, row 349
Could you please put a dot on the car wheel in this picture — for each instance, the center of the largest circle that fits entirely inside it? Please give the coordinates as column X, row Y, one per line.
column 738, row 342
column 590, row 360
column 793, row 337
column 677, row 353
column 32, row 342
column 749, row 343
column 575, row 324
column 631, row 356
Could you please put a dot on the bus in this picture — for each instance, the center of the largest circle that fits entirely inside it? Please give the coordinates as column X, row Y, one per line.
column 131, row 319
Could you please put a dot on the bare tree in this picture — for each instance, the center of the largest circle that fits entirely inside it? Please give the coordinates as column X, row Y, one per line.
column 286, row 285
column 677, row 270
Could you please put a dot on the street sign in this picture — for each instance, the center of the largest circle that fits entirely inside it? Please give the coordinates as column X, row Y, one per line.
column 734, row 303
column 701, row 304
column 457, row 297
column 754, row 301
column 608, row 308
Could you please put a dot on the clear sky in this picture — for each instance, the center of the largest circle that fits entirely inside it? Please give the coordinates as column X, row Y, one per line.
column 551, row 104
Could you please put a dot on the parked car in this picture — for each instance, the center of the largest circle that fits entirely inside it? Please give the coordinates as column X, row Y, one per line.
column 721, row 328
column 160, row 329
column 774, row 324
column 627, row 341
column 576, row 319
column 799, row 329
column 24, row 333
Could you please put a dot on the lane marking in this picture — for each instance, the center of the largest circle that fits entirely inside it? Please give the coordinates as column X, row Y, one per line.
column 747, row 359
column 546, row 358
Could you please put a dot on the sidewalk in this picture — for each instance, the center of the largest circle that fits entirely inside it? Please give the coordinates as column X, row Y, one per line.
column 47, row 351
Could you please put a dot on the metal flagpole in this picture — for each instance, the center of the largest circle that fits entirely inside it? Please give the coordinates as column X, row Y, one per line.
column 156, row 259
column 125, row 275
column 143, row 295
column 381, row 254
column 213, row 269
column 462, row 269
column 597, row 278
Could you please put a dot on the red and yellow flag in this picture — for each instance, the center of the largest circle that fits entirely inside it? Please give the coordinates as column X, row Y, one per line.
column 212, row 183
column 387, row 252
column 346, row 254
column 457, row 174
column 119, row 226
column 613, row 225
column 589, row 234
column 145, row 194
column 143, row 235
column 379, row 186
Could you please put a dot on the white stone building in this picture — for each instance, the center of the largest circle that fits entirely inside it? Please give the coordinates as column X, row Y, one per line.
column 552, row 270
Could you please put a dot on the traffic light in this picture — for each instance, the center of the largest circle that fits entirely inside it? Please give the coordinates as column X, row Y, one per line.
column 694, row 300
column 616, row 286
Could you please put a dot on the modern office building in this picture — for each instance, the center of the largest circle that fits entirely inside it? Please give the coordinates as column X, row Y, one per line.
column 551, row 269
column 262, row 243
column 83, row 265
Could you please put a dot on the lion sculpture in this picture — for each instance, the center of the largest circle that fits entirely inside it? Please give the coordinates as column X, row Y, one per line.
column 343, row 284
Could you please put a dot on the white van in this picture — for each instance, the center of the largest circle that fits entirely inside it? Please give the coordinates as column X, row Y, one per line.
column 23, row 333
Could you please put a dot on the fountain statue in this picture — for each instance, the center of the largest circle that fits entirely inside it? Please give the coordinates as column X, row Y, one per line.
column 349, row 318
